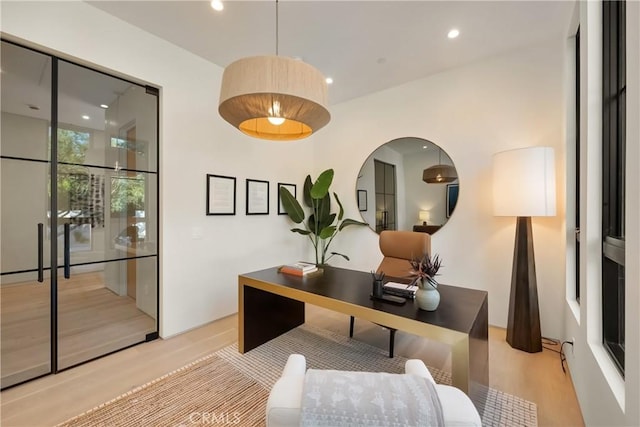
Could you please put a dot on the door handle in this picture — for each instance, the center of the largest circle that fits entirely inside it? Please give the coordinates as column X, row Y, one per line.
column 67, row 255
column 40, row 252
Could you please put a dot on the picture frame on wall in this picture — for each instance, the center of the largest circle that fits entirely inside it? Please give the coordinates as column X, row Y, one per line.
column 257, row 197
column 362, row 200
column 292, row 190
column 221, row 195
column 452, row 198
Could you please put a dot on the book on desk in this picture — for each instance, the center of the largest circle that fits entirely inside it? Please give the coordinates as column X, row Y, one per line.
column 299, row 268
column 400, row 289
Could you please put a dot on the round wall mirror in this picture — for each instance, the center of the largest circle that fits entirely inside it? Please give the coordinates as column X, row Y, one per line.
column 407, row 184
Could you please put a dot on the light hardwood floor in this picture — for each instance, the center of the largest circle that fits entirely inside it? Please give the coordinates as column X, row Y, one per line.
column 92, row 321
column 53, row 399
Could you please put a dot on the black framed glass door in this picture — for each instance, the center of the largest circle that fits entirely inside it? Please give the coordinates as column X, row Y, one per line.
column 81, row 161
column 385, row 186
column 107, row 211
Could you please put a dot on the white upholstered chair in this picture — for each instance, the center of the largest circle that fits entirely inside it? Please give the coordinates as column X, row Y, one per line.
column 285, row 399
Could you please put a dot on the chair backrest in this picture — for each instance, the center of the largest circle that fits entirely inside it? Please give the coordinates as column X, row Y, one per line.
column 398, row 247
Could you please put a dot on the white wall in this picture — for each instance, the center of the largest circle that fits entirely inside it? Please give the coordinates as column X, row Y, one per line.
column 201, row 256
column 605, row 397
column 511, row 101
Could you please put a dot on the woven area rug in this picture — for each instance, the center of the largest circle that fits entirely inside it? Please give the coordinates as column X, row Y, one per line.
column 208, row 391
column 232, row 388
column 329, row 350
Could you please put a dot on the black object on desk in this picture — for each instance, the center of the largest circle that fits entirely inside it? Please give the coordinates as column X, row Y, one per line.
column 389, row 298
column 377, row 288
column 429, row 229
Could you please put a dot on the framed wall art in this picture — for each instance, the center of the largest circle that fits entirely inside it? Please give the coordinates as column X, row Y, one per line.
column 257, row 197
column 452, row 197
column 221, row 195
column 362, row 200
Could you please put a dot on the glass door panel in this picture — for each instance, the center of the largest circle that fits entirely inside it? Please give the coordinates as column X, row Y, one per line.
column 21, row 215
column 105, row 121
column 107, row 210
column 110, row 214
column 25, row 314
column 104, row 307
column 26, row 103
column 133, row 217
column 385, row 188
column 25, row 258
column 96, row 204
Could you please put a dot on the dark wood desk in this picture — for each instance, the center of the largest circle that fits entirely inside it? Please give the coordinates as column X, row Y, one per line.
column 271, row 303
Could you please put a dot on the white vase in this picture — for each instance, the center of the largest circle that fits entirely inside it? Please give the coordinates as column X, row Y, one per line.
column 428, row 297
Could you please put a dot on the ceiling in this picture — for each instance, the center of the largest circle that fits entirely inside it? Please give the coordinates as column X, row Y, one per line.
column 365, row 46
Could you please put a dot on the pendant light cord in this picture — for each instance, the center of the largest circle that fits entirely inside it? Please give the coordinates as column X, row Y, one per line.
column 276, row 27
column 272, row 111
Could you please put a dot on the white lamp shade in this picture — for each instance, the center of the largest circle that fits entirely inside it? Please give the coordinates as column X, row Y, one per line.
column 524, row 182
column 424, row 216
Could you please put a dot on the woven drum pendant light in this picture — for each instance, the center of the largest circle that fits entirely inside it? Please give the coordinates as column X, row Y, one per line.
column 439, row 174
column 274, row 97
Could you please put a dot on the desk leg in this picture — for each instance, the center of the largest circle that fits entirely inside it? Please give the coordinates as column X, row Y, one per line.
column 479, row 359
column 470, row 361
column 263, row 316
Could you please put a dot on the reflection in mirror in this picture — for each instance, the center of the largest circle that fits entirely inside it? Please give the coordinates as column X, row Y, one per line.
column 399, row 198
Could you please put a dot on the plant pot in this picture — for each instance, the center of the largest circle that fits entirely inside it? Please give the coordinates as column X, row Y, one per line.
column 428, row 298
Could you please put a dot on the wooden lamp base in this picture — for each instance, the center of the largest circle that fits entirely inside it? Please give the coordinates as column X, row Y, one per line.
column 523, row 327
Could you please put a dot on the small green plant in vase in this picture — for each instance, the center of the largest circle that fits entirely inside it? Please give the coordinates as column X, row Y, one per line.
column 321, row 226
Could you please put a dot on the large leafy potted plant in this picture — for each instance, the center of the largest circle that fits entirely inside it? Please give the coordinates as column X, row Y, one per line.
column 321, row 226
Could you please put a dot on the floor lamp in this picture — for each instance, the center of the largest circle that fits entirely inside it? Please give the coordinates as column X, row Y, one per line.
column 524, row 186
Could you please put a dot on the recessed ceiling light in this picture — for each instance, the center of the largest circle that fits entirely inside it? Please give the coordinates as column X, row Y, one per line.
column 105, row 106
column 453, row 33
column 217, row 5
column 329, row 80
column 424, row 146
column 86, row 117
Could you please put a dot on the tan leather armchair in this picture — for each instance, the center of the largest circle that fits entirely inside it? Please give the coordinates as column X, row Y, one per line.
column 398, row 248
